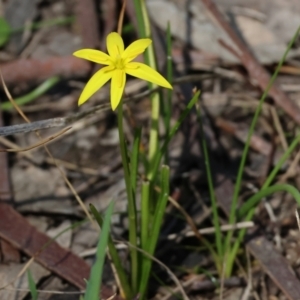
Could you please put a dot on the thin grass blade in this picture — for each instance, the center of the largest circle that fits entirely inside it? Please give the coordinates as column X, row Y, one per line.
column 218, row 232
column 32, row 286
column 232, row 216
column 123, row 277
column 132, row 213
column 145, row 217
column 174, row 129
column 135, row 160
column 94, row 282
column 153, row 237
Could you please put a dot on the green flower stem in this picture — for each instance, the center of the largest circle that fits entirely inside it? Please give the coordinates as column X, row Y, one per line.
column 37, row 92
column 232, row 216
column 131, row 202
column 145, row 32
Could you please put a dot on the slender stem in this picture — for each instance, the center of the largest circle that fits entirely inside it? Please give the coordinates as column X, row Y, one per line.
column 145, row 31
column 131, row 202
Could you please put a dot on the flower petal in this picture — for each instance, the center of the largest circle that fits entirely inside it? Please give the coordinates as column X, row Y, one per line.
column 95, row 83
column 115, row 45
column 144, row 72
column 117, row 87
column 135, row 48
column 96, row 56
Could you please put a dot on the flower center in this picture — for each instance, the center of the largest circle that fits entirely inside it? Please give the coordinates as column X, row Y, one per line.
column 119, row 62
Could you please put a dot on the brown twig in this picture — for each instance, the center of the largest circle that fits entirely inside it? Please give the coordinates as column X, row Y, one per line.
column 254, row 68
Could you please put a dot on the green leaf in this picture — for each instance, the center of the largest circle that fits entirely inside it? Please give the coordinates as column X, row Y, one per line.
column 5, row 31
column 114, row 257
column 94, row 282
column 32, row 286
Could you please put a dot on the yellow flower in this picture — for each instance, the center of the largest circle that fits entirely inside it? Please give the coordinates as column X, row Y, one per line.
column 119, row 63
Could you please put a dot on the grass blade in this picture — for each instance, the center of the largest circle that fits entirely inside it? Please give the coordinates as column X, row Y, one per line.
column 37, row 92
column 281, row 161
column 158, row 218
column 135, row 160
column 167, row 104
column 145, row 214
column 216, row 223
column 247, row 208
column 232, row 216
column 114, row 257
column 174, row 129
column 94, row 282
column 32, row 286
column 132, row 214
column 254, row 200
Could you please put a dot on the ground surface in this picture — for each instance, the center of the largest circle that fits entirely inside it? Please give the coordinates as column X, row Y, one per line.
column 36, row 201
